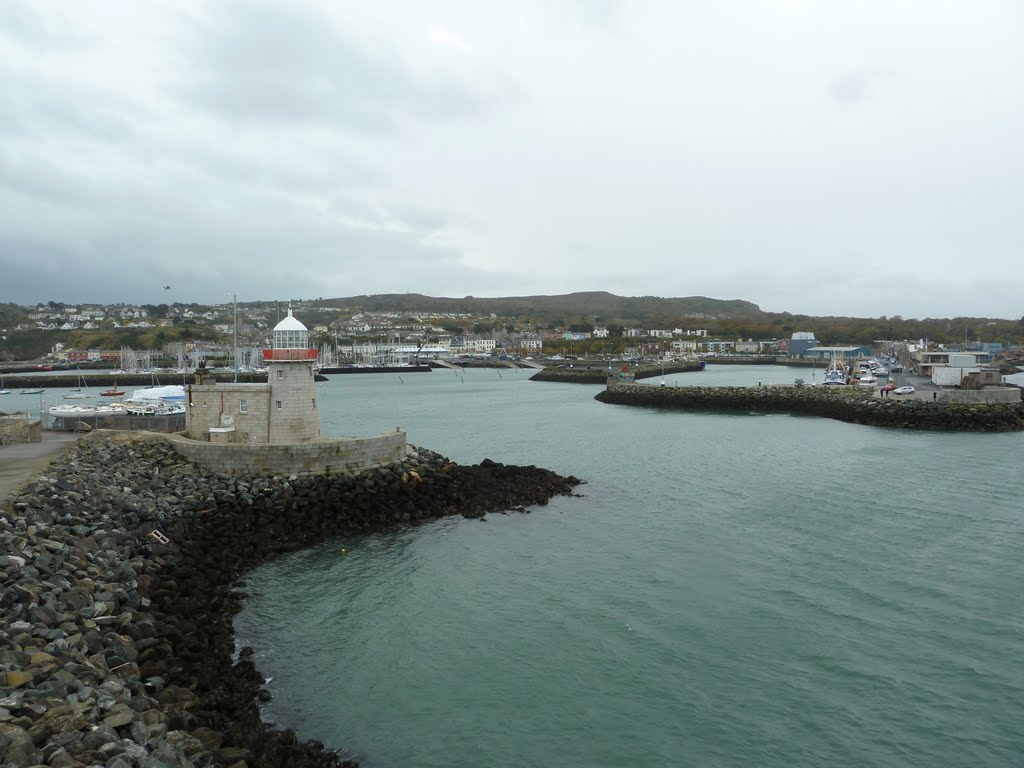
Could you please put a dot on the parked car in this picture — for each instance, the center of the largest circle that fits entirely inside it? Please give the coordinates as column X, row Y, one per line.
column 889, row 388
column 905, row 390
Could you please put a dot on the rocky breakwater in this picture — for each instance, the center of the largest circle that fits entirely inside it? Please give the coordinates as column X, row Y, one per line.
column 841, row 403
column 119, row 576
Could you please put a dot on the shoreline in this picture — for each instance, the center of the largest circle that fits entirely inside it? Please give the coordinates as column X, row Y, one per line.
column 116, row 643
column 839, row 403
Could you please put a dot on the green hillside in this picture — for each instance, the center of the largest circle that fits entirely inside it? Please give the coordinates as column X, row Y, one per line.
column 590, row 306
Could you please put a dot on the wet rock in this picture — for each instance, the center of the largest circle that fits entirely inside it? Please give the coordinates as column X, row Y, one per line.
column 16, row 747
column 116, row 649
column 120, row 715
column 17, row 678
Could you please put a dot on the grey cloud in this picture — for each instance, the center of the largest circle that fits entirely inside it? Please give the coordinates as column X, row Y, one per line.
column 204, row 264
column 283, row 63
column 327, row 171
column 32, row 176
column 251, row 240
column 852, row 87
column 32, row 105
column 20, row 23
column 602, row 13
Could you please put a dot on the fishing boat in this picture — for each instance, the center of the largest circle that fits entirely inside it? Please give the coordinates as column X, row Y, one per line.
column 835, row 373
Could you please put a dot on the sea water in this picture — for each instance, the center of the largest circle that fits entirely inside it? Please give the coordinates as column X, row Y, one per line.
column 732, row 590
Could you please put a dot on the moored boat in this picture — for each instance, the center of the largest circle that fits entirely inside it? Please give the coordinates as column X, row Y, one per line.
column 113, row 391
column 835, row 374
column 86, row 410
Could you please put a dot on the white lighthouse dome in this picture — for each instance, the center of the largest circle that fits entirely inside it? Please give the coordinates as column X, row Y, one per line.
column 291, row 334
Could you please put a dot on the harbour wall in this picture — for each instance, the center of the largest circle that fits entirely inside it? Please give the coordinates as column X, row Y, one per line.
column 335, row 455
column 986, row 395
column 584, row 375
column 101, row 381
column 120, row 572
column 840, row 403
column 20, row 428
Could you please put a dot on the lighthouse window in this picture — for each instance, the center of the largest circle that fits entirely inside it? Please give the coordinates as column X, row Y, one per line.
column 314, row 403
column 278, row 402
column 280, row 373
column 243, row 406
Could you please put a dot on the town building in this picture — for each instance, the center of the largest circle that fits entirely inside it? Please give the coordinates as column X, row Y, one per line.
column 948, row 368
column 800, row 342
column 719, row 347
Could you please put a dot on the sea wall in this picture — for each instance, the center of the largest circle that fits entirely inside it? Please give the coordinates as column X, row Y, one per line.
column 984, row 395
column 119, row 575
column 841, row 403
column 19, row 428
column 584, row 375
column 323, row 456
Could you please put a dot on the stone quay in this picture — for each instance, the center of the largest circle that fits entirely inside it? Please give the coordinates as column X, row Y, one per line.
column 121, row 569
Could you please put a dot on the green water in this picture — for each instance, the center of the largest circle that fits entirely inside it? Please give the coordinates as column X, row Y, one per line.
column 733, row 590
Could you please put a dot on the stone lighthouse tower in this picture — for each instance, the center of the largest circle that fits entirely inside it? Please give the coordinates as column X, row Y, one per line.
column 274, row 426
column 293, row 416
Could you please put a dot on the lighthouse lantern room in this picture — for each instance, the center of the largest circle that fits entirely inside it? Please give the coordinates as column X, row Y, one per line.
column 293, row 413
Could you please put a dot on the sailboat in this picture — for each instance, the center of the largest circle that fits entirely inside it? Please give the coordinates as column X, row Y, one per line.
column 77, row 393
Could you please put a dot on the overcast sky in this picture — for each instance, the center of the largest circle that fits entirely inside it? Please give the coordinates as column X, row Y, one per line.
column 858, row 158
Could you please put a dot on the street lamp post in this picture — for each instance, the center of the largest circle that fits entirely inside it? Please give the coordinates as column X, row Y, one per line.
column 234, row 312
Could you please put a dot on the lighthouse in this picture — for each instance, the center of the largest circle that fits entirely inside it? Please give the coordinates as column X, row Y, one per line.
column 281, row 411
column 293, row 416
column 274, row 426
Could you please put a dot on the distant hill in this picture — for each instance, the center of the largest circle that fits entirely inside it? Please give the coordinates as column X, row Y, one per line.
column 590, row 306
